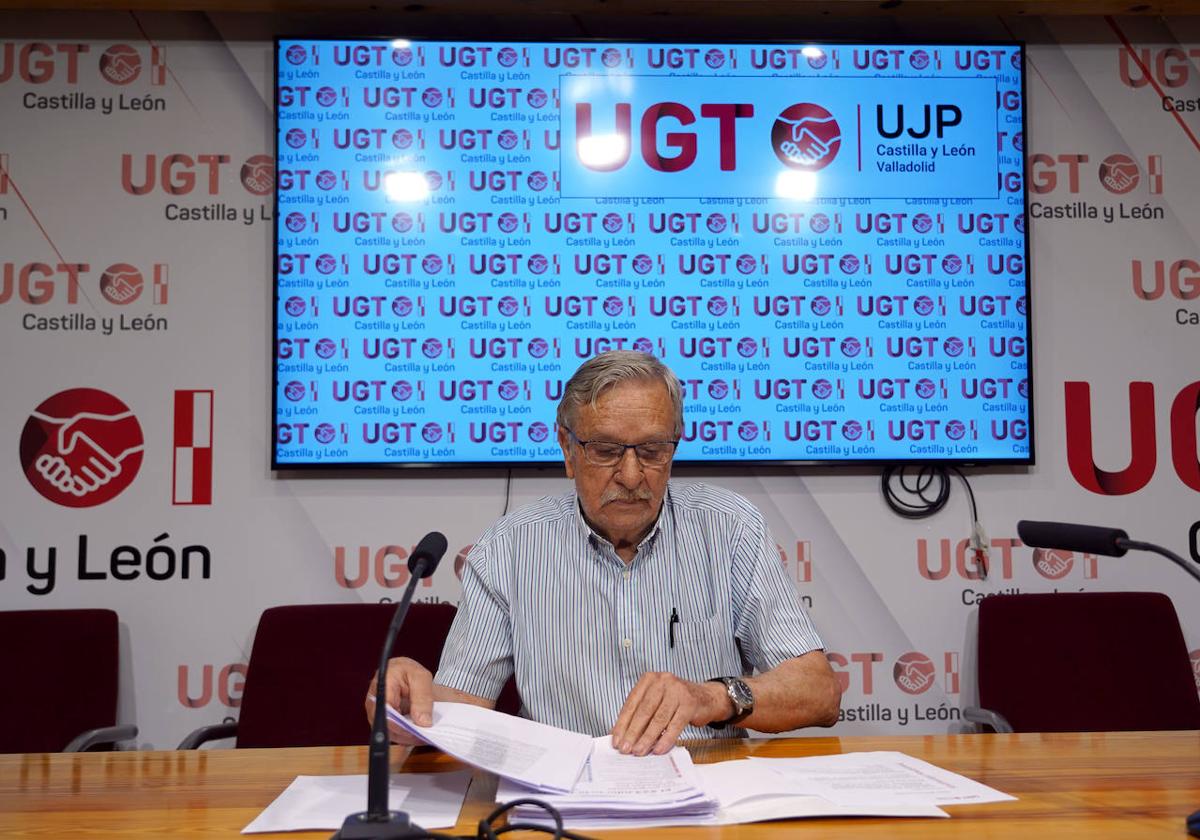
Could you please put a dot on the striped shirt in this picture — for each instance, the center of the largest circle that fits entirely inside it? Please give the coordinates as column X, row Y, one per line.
column 548, row 599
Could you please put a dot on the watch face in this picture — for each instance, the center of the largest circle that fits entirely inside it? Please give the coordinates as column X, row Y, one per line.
column 740, row 693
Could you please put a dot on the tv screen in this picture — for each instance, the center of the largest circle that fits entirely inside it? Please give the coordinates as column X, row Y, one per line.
column 826, row 242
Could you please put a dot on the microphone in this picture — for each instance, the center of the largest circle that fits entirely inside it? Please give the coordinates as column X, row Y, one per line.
column 1111, row 542
column 377, row 822
column 1088, row 538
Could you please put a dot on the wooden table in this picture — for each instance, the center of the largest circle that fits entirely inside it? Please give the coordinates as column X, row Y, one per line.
column 1094, row 785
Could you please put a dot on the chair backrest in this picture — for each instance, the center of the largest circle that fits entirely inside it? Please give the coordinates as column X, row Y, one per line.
column 1086, row 662
column 311, row 664
column 60, row 676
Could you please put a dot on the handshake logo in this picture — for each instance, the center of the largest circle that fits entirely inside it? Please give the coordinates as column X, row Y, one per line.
column 806, row 137
column 81, row 447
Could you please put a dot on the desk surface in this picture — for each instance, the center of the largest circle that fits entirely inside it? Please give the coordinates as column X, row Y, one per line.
column 1095, row 785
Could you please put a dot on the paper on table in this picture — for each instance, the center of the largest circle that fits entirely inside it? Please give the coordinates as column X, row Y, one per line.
column 432, row 800
column 534, row 754
column 875, row 778
column 609, row 774
column 619, row 791
column 750, row 790
column 613, row 784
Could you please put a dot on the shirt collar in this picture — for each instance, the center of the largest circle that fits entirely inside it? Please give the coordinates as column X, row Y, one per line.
column 593, row 538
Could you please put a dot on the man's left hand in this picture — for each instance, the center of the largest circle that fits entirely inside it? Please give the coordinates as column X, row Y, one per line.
column 660, row 706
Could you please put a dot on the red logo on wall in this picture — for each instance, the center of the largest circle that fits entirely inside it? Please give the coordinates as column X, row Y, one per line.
column 1119, row 174
column 1052, row 563
column 120, row 64
column 806, row 136
column 913, row 672
column 1143, row 443
column 801, row 570
column 192, row 468
column 81, row 447
column 258, row 174
column 121, row 284
column 226, row 689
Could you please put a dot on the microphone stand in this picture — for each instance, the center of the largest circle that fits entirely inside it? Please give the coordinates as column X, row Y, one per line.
column 378, row 822
column 1123, row 542
column 1193, row 820
column 1112, row 542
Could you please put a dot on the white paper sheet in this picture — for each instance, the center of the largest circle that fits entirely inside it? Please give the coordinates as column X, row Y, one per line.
column 611, row 775
column 619, row 791
column 613, row 785
column 879, row 778
column 432, row 800
column 750, row 790
column 534, row 754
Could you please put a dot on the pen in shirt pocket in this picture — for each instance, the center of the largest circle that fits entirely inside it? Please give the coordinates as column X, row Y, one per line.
column 671, row 626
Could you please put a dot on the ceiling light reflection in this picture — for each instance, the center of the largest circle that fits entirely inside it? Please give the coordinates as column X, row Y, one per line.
column 406, row 186
column 601, row 150
column 796, row 184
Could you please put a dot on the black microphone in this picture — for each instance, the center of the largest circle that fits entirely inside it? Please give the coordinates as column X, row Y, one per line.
column 377, row 822
column 1088, row 538
column 1111, row 542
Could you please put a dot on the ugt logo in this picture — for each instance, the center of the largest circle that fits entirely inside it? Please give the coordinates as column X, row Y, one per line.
column 81, row 447
column 685, row 144
column 805, row 136
column 1143, row 446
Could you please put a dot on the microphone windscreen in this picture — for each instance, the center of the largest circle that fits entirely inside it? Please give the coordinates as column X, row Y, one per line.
column 1091, row 539
column 430, row 549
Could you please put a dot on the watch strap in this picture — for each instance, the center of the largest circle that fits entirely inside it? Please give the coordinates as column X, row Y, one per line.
column 741, row 710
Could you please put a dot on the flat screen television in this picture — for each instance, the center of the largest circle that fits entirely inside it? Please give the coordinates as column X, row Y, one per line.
column 826, row 242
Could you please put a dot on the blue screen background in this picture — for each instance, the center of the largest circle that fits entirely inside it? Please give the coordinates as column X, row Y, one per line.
column 828, row 247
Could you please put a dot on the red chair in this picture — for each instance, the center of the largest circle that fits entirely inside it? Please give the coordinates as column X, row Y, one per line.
column 60, row 672
column 1083, row 662
column 309, row 670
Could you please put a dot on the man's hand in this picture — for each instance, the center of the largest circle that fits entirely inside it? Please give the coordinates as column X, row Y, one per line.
column 660, row 706
column 409, row 691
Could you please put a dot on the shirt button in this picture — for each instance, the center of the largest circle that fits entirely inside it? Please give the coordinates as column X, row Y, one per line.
column 627, row 643
column 626, row 575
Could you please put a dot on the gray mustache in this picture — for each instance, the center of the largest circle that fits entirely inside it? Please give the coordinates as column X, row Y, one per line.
column 639, row 495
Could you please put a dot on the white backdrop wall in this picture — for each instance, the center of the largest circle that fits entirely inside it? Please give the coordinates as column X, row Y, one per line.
column 135, row 244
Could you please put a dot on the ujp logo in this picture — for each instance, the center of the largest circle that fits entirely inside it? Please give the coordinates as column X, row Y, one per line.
column 81, row 447
column 806, row 137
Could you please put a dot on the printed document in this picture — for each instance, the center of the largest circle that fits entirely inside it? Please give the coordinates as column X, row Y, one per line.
column 878, row 778
column 543, row 757
column 312, row 803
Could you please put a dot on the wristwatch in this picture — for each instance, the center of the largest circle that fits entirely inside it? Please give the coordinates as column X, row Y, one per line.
column 742, row 697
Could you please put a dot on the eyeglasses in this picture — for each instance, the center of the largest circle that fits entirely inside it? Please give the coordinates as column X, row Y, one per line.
column 605, row 453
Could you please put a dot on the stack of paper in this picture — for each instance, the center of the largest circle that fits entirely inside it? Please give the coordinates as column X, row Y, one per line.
column 615, row 787
column 595, row 787
column 542, row 757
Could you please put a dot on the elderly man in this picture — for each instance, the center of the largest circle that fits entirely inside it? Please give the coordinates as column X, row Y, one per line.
column 618, row 605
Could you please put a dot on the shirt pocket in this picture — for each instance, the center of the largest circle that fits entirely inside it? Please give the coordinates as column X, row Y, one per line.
column 705, row 649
